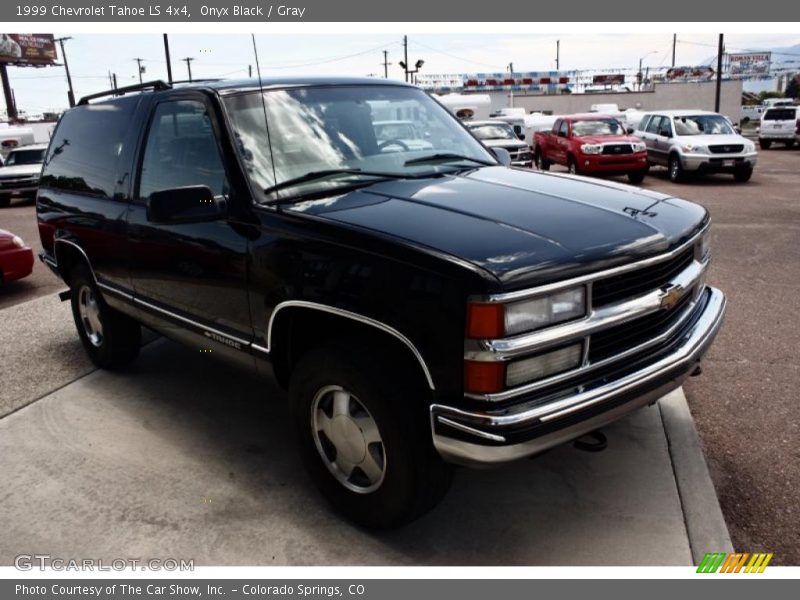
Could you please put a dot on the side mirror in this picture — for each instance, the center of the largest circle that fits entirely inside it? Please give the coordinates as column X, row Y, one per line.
column 503, row 156
column 190, row 204
column 521, row 136
column 630, row 130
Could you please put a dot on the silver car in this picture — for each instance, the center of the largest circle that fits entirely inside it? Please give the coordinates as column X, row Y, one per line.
column 696, row 141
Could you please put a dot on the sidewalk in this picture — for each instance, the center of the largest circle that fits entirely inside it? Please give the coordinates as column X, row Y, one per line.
column 184, row 457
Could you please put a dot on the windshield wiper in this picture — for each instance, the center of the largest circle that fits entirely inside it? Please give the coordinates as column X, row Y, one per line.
column 325, row 174
column 446, row 157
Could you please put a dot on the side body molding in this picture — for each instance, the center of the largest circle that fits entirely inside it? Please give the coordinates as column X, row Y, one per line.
column 355, row 317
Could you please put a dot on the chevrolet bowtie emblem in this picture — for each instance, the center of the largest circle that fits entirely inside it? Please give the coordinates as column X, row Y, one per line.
column 670, row 296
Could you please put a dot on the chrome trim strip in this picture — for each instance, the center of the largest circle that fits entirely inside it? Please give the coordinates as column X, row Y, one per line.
column 191, row 322
column 259, row 348
column 602, row 318
column 696, row 343
column 355, row 317
column 115, row 290
column 558, row 285
column 461, row 427
column 71, row 243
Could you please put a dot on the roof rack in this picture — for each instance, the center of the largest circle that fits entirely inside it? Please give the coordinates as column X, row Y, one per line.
column 195, row 80
column 156, row 85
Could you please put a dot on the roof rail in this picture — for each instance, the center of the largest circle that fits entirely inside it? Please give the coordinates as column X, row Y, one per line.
column 195, row 80
column 156, row 85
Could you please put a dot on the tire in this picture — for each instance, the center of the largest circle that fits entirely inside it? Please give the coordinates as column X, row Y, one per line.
column 764, row 144
column 675, row 169
column 403, row 476
column 743, row 175
column 572, row 166
column 110, row 338
column 5, row 202
column 790, row 144
column 541, row 161
column 636, row 177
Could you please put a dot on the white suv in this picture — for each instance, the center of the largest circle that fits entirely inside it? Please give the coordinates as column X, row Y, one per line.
column 698, row 141
column 779, row 124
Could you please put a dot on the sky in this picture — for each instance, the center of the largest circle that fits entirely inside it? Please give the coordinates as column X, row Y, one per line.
column 92, row 56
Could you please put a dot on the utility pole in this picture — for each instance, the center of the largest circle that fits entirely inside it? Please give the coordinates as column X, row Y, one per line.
column 674, row 42
column 169, row 62
column 249, row 70
column 70, row 93
column 188, row 60
column 720, row 52
column 386, row 64
column 139, row 65
column 114, row 78
column 405, row 56
column 11, row 107
column 558, row 54
column 511, row 95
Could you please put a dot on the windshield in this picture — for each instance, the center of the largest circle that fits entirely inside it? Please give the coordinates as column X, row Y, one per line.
column 597, row 127
column 703, row 125
column 319, row 129
column 25, row 157
column 493, row 131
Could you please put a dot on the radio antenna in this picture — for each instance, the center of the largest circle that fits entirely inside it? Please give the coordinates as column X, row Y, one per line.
column 264, row 107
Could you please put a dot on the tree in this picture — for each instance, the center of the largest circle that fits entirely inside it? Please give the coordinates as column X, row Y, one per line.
column 793, row 87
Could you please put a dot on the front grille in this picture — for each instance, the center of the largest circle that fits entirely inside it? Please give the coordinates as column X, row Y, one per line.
column 13, row 182
column 635, row 283
column 617, row 149
column 615, row 340
column 726, row 148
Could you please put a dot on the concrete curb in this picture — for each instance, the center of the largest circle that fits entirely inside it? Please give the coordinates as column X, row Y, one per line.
column 705, row 525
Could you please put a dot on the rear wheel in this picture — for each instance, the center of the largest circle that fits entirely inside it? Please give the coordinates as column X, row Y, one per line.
column 110, row 338
column 743, row 175
column 4, row 202
column 765, row 144
column 790, row 144
column 676, row 173
column 365, row 438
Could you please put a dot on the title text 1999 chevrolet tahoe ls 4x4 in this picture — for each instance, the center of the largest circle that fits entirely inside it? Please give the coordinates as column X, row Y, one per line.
column 424, row 306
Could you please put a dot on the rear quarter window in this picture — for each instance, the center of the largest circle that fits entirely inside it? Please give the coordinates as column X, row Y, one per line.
column 86, row 146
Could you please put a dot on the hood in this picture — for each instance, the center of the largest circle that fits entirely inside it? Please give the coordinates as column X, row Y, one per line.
column 713, row 140
column 524, row 227
column 504, row 144
column 607, row 139
column 20, row 170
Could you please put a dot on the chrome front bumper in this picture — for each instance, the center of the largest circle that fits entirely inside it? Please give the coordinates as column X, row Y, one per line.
column 695, row 162
column 482, row 438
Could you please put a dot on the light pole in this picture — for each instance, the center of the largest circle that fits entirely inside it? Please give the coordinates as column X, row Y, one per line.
column 70, row 93
column 639, row 74
column 417, row 67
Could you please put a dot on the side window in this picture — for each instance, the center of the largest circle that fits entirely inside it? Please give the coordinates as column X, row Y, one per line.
column 181, row 150
column 562, row 131
column 643, row 123
column 654, row 126
column 86, row 145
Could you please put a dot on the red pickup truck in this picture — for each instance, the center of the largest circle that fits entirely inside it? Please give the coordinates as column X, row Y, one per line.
column 591, row 144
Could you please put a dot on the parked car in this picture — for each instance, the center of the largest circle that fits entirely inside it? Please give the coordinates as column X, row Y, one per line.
column 423, row 310
column 781, row 125
column 400, row 135
column 591, row 144
column 16, row 259
column 696, row 141
column 499, row 134
column 19, row 175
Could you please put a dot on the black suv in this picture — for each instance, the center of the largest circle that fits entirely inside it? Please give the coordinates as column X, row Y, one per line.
column 424, row 303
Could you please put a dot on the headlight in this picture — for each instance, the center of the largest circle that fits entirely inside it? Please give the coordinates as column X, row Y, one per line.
column 693, row 148
column 592, row 148
column 544, row 365
column 496, row 320
column 536, row 313
column 749, row 147
column 17, row 241
column 639, row 146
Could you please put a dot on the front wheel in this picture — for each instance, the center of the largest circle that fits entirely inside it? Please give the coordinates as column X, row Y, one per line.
column 675, row 169
column 790, row 144
column 572, row 166
column 743, row 175
column 365, row 438
column 636, row 177
column 765, row 144
column 5, row 201
column 110, row 338
column 541, row 162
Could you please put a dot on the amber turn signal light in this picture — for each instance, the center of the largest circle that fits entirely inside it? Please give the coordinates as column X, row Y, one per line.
column 485, row 321
column 482, row 377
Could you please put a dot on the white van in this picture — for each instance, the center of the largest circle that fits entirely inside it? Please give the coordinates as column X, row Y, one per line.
column 779, row 124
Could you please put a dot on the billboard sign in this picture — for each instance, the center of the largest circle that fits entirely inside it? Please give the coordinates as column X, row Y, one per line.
column 702, row 73
column 38, row 49
column 608, row 79
column 751, row 64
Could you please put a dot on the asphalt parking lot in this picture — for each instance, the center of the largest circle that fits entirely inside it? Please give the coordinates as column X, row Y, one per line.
column 744, row 407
